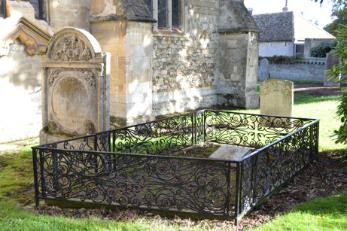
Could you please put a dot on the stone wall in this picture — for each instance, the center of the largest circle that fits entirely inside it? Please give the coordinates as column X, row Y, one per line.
column 65, row 13
column 298, row 72
column 185, row 64
column 269, row 49
column 238, row 67
column 20, row 93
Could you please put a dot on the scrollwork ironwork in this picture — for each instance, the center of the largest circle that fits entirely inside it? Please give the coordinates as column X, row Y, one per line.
column 137, row 166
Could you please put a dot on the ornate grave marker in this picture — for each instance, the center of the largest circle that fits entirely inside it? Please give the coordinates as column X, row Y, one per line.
column 75, row 86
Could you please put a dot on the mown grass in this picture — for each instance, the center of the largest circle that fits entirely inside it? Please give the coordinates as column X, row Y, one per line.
column 16, row 177
column 13, row 218
column 321, row 214
column 318, row 107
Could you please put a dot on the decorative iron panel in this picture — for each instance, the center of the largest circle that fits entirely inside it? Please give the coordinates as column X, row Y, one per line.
column 137, row 167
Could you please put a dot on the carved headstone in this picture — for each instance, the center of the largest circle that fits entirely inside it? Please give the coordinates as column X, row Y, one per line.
column 75, row 86
column 331, row 61
column 264, row 71
column 277, row 97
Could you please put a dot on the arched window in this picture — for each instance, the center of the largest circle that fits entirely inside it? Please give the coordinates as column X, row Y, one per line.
column 168, row 13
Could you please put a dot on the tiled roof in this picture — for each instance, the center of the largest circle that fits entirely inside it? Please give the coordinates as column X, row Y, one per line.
column 275, row 27
column 286, row 26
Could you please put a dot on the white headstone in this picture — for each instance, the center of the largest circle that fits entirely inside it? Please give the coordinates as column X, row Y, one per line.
column 264, row 71
column 277, row 97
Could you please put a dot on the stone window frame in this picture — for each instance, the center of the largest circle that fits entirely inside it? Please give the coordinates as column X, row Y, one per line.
column 169, row 27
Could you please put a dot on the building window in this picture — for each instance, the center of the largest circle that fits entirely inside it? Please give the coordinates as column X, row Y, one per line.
column 39, row 8
column 167, row 13
column 3, row 8
column 163, row 14
column 176, row 13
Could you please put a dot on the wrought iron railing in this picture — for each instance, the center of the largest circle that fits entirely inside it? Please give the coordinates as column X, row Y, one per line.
column 138, row 166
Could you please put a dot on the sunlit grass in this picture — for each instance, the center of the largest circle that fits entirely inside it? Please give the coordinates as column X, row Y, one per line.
column 321, row 214
column 318, row 107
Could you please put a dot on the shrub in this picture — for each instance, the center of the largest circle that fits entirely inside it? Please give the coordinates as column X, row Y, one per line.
column 280, row 59
column 337, row 71
column 323, row 49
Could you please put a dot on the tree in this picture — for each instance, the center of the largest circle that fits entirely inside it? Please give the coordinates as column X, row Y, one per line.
column 340, row 71
column 340, row 12
column 339, row 27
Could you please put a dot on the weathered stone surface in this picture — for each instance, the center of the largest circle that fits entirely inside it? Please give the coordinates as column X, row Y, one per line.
column 211, row 59
column 264, row 70
column 277, row 97
column 130, row 45
column 76, row 86
column 231, row 152
column 22, row 8
column 73, row 13
column 21, row 45
column 331, row 61
column 237, row 83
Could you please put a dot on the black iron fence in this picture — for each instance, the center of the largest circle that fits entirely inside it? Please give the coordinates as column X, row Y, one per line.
column 138, row 166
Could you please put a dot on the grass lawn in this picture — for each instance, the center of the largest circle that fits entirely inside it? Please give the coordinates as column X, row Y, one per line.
column 13, row 218
column 318, row 107
column 319, row 214
column 16, row 191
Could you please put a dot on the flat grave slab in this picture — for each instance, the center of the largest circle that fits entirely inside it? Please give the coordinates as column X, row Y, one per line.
column 230, row 152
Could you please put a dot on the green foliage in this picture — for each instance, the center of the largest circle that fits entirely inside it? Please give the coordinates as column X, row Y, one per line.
column 320, row 214
column 340, row 71
column 339, row 11
column 341, row 133
column 323, row 49
column 280, row 59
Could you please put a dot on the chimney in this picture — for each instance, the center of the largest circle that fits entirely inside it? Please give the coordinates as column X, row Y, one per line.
column 285, row 8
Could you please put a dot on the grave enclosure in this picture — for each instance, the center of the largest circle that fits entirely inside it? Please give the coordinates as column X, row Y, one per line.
column 146, row 166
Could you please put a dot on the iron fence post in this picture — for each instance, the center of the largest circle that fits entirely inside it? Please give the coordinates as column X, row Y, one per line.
column 238, row 192
column 42, row 175
column 36, row 182
column 204, row 118
column 55, row 171
column 317, row 139
column 228, row 178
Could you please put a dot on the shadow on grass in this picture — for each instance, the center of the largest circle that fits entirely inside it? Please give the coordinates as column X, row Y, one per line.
column 304, row 98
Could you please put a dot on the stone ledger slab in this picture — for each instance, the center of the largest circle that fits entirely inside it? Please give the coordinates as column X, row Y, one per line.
column 231, row 152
